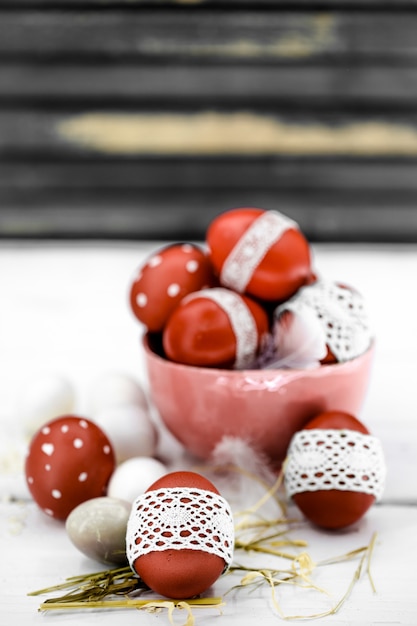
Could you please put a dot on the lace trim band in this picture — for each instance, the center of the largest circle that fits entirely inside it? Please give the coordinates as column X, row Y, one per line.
column 180, row 518
column 341, row 313
column 324, row 459
column 241, row 319
column 250, row 249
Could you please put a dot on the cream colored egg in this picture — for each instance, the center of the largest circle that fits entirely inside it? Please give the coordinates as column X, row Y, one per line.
column 130, row 429
column 134, row 476
column 112, row 389
column 97, row 527
column 42, row 399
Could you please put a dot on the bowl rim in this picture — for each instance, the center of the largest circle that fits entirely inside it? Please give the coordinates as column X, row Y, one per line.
column 329, row 367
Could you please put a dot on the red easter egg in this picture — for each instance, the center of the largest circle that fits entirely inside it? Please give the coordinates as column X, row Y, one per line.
column 183, row 509
column 261, row 253
column 347, row 496
column 338, row 420
column 350, row 293
column 215, row 328
column 341, row 317
column 70, row 460
column 166, row 277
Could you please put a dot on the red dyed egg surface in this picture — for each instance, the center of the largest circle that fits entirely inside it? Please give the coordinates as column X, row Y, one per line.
column 282, row 270
column 337, row 420
column 167, row 276
column 180, row 573
column 334, row 509
column 200, row 333
column 183, row 479
column 70, row 460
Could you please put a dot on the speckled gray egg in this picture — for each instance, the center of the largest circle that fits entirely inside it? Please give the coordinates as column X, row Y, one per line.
column 97, row 527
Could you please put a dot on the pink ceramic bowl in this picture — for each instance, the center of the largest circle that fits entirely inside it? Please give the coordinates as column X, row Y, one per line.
column 265, row 408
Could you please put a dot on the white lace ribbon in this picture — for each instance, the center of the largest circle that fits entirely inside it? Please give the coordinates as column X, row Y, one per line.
column 177, row 518
column 341, row 313
column 324, row 459
column 250, row 249
column 241, row 320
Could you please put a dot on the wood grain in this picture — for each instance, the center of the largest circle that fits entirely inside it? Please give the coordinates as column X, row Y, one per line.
column 209, row 85
column 138, row 119
column 40, row 173
column 64, row 310
column 239, row 35
column 185, row 215
column 202, row 4
column 206, row 133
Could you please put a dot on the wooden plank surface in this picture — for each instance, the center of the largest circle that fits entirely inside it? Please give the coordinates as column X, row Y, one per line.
column 64, row 311
column 199, row 173
column 185, row 216
column 205, row 133
column 253, row 85
column 240, row 35
column 301, row 106
column 220, row 4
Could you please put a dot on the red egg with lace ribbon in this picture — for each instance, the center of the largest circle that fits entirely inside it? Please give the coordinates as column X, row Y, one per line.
column 180, row 535
column 334, row 451
column 260, row 253
column 215, row 328
column 341, row 322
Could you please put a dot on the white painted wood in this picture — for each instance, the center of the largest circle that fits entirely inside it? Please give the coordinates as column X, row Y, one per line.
column 36, row 553
column 64, row 309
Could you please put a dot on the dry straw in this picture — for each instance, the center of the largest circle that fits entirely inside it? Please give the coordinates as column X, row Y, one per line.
column 257, row 534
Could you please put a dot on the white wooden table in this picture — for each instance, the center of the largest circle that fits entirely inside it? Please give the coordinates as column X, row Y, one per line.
column 64, row 309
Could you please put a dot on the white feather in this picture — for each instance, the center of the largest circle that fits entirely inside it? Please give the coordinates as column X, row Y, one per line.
column 300, row 341
column 242, row 474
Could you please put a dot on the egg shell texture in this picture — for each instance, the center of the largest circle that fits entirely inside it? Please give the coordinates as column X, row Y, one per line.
column 130, row 430
column 69, row 460
column 168, row 275
column 334, row 508
column 97, row 527
column 202, row 332
column 273, row 268
column 113, row 389
column 132, row 477
column 338, row 420
column 45, row 397
column 180, row 573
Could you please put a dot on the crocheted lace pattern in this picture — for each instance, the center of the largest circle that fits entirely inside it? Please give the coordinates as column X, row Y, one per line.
column 250, row 249
column 341, row 313
column 240, row 318
column 180, row 518
column 324, row 459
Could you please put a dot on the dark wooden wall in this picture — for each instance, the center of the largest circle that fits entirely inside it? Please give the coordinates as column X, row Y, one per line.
column 143, row 120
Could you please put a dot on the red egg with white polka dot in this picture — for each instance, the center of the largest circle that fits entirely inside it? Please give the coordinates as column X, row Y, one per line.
column 166, row 277
column 260, row 253
column 70, row 460
column 335, row 470
column 215, row 328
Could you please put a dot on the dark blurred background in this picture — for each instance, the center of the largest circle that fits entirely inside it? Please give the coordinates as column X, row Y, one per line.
column 144, row 120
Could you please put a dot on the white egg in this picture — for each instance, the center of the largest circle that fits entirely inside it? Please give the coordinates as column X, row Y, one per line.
column 133, row 477
column 130, row 429
column 112, row 389
column 97, row 527
column 44, row 398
